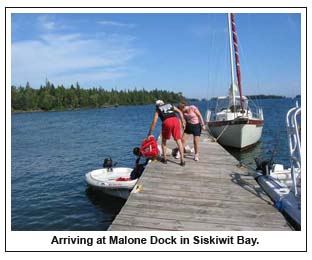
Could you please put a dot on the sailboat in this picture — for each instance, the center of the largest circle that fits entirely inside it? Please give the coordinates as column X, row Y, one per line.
column 234, row 122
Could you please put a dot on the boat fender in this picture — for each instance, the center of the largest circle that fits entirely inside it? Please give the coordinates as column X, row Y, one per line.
column 149, row 147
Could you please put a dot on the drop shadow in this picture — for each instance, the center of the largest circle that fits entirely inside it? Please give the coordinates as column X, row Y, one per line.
column 174, row 162
column 237, row 179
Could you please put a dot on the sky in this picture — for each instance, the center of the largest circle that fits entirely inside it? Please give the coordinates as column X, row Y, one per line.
column 182, row 52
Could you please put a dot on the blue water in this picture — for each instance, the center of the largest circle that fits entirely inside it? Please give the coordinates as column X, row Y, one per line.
column 52, row 151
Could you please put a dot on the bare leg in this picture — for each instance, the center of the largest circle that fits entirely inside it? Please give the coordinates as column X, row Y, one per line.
column 184, row 138
column 181, row 149
column 164, row 147
column 196, row 144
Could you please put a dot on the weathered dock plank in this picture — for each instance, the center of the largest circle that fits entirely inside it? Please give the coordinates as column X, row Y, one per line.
column 213, row 194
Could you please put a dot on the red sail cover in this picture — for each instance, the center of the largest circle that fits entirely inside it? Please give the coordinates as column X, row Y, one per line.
column 149, row 147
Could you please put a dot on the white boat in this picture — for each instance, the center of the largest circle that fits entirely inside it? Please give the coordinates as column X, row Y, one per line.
column 235, row 122
column 113, row 181
column 284, row 185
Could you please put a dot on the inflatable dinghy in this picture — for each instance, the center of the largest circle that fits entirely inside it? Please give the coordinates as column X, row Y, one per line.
column 284, row 185
column 114, row 181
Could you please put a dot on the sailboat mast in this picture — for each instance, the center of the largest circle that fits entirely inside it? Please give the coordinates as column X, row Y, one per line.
column 231, row 60
column 238, row 73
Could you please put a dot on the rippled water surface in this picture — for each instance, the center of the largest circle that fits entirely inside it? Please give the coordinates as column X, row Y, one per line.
column 52, row 151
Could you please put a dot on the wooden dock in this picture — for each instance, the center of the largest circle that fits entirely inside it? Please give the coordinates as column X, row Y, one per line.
column 213, row 194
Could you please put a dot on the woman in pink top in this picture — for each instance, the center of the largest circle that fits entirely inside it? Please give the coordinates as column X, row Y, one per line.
column 194, row 124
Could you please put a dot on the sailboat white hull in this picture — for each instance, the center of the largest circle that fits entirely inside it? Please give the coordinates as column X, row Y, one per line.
column 234, row 122
column 239, row 135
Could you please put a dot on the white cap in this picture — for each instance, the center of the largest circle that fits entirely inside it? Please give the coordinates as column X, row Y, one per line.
column 159, row 103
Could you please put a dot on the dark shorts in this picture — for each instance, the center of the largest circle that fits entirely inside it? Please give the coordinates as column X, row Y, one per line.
column 193, row 129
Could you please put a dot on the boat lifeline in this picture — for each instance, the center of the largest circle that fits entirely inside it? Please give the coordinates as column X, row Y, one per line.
column 284, row 185
column 234, row 122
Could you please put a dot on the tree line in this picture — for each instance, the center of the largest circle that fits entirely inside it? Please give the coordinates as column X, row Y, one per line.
column 265, row 97
column 49, row 97
column 259, row 97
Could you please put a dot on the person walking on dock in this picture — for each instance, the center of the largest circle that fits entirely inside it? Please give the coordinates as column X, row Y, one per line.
column 170, row 126
column 194, row 124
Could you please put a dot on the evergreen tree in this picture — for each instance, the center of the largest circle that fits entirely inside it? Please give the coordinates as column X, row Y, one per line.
column 49, row 97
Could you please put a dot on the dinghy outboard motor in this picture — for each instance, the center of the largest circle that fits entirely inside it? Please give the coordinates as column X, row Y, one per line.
column 108, row 164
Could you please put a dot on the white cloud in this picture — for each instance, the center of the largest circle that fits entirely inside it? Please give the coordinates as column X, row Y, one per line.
column 117, row 24
column 45, row 22
column 72, row 57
